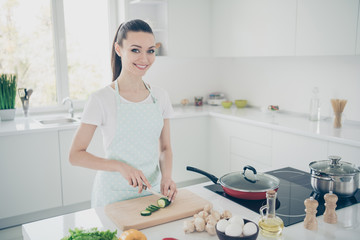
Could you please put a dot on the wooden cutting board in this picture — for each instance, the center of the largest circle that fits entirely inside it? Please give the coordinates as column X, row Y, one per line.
column 126, row 214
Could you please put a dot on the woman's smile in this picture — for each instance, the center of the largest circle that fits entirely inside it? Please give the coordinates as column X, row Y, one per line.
column 141, row 67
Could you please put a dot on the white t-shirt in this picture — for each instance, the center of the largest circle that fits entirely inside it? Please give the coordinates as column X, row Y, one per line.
column 100, row 109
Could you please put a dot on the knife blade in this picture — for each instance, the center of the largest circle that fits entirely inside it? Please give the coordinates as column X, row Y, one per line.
column 150, row 190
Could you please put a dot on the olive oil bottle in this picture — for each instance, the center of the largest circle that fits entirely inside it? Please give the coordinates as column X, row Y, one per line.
column 270, row 225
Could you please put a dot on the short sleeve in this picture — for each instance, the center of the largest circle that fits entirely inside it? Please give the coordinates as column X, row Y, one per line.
column 92, row 113
column 168, row 110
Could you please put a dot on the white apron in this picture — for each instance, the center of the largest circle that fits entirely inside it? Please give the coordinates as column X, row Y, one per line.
column 136, row 142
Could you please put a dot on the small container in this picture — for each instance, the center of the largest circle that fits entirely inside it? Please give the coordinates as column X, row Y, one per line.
column 198, row 101
column 270, row 225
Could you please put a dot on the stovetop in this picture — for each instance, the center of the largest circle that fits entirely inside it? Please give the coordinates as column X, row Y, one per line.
column 295, row 187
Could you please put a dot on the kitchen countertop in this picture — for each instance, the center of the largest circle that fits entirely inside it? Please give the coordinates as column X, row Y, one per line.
column 281, row 121
column 57, row 227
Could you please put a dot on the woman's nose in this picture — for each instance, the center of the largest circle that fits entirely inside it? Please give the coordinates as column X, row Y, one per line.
column 143, row 57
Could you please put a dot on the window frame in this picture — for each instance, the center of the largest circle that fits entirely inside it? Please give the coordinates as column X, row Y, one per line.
column 115, row 16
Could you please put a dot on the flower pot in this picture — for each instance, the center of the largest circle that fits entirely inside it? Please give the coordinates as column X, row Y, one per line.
column 7, row 114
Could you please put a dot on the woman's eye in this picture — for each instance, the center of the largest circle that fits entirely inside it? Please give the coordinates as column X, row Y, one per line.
column 151, row 51
column 135, row 50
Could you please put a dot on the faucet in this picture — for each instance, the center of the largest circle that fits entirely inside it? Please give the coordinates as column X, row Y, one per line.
column 71, row 109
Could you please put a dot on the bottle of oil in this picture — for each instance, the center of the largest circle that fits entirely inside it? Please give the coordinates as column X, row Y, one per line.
column 270, row 225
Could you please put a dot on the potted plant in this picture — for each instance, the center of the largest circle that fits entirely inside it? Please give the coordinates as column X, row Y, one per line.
column 7, row 96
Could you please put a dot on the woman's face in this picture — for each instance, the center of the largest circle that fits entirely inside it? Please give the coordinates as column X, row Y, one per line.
column 137, row 52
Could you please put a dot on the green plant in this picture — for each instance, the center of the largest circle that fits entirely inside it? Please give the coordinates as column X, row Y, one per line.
column 7, row 91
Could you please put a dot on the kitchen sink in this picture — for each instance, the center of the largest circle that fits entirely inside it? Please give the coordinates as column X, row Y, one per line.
column 58, row 121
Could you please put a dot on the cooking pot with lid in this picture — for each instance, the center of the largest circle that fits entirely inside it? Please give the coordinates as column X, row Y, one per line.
column 342, row 178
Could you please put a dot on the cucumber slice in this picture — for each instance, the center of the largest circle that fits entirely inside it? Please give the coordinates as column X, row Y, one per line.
column 163, row 202
column 145, row 213
column 154, row 207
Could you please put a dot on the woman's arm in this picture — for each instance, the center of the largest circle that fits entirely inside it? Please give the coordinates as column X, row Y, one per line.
column 80, row 157
column 168, row 186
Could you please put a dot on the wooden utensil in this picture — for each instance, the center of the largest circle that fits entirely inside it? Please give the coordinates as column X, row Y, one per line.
column 338, row 106
column 126, row 214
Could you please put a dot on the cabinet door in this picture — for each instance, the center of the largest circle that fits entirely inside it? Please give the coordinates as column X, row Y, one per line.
column 189, row 142
column 77, row 181
column 346, row 152
column 189, row 25
column 29, row 173
column 296, row 151
column 254, row 28
column 326, row 27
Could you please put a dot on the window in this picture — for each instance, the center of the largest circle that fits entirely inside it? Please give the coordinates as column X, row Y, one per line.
column 87, row 43
column 58, row 48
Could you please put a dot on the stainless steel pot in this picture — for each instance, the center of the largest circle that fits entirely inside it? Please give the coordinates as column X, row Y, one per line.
column 342, row 178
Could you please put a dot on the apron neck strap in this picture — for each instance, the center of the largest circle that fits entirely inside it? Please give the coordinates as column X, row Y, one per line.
column 146, row 85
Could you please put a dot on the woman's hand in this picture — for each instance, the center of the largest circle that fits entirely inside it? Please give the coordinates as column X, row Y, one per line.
column 168, row 188
column 134, row 176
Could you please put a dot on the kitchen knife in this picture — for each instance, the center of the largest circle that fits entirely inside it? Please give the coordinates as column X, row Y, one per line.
column 153, row 191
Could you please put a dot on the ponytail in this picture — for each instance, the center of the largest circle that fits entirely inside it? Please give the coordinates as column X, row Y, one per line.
column 136, row 25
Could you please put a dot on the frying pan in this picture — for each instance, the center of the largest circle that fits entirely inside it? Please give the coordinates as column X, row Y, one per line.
column 243, row 185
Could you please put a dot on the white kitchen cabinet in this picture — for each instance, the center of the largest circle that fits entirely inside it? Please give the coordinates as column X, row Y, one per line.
column 346, row 152
column 77, row 182
column 189, row 142
column 326, row 27
column 189, row 28
column 234, row 145
column 29, row 173
column 290, row 150
column 254, row 28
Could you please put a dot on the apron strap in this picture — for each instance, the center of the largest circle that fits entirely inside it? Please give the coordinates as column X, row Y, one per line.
column 146, row 85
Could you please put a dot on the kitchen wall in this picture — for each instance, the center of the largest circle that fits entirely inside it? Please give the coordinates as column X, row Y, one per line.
column 283, row 81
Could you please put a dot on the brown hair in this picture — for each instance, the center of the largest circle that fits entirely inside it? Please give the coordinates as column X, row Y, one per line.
column 136, row 25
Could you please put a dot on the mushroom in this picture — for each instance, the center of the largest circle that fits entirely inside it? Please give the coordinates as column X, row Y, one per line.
column 188, row 226
column 216, row 214
column 210, row 228
column 211, row 220
column 208, row 208
column 203, row 214
column 199, row 224
column 226, row 214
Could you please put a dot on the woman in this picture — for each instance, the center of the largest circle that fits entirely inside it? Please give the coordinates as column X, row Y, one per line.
column 134, row 121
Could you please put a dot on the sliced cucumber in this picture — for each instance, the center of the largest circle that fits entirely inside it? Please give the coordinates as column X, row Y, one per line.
column 154, row 207
column 145, row 213
column 163, row 202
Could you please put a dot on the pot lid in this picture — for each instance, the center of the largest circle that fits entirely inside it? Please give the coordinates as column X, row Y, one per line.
column 249, row 181
column 334, row 166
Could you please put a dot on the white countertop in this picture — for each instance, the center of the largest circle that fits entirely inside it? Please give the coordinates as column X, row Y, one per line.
column 58, row 227
column 349, row 133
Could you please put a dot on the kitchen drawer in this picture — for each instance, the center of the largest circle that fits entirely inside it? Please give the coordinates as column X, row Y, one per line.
column 347, row 153
column 250, row 153
column 252, row 134
column 237, row 163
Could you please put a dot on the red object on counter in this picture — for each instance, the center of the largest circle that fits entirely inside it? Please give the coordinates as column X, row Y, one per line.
column 169, row 239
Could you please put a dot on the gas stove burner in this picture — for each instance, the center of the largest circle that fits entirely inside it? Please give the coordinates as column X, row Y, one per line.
column 295, row 187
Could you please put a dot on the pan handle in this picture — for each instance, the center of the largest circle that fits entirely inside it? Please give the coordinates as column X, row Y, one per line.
column 210, row 176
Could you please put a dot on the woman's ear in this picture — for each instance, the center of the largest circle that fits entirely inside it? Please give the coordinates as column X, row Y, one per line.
column 117, row 49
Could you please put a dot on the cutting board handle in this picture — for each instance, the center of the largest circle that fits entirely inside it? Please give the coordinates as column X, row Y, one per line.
column 210, row 176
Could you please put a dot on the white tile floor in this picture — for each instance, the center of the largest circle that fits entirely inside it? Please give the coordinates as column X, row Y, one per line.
column 13, row 233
